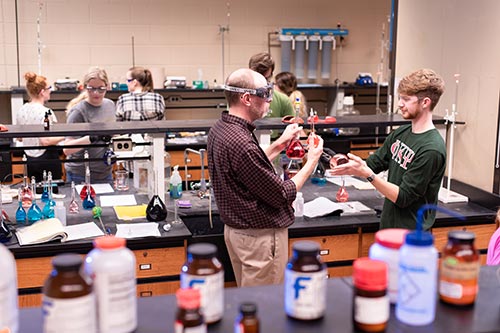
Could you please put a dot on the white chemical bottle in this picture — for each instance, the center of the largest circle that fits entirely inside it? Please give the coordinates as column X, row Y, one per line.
column 112, row 268
column 60, row 212
column 298, row 205
column 176, row 184
column 9, row 312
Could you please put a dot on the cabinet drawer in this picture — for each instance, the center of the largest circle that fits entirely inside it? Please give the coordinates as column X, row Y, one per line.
column 483, row 234
column 157, row 288
column 32, row 272
column 159, row 262
column 333, row 248
column 339, row 271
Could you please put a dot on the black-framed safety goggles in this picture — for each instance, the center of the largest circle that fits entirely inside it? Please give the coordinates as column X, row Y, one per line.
column 265, row 92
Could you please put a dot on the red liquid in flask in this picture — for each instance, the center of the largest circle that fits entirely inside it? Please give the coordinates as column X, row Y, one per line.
column 83, row 192
column 342, row 195
column 295, row 150
column 339, row 159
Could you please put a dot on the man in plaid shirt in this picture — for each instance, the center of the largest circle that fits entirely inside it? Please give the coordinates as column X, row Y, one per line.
column 254, row 203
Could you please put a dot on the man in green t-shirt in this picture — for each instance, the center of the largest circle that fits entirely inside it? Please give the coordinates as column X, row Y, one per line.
column 414, row 155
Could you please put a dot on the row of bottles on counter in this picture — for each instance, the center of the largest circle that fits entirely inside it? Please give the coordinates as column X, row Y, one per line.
column 401, row 268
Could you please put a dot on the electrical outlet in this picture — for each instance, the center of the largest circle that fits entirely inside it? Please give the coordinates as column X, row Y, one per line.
column 124, row 144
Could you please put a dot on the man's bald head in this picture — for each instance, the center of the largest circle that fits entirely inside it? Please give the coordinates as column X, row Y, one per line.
column 242, row 78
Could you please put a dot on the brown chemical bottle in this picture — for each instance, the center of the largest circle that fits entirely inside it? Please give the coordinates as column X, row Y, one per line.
column 68, row 299
column 460, row 263
column 247, row 321
column 204, row 271
column 189, row 318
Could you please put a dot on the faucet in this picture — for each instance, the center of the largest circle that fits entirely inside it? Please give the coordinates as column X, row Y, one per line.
column 203, row 183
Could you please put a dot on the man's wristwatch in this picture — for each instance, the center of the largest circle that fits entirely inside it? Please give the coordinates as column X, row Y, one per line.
column 371, row 178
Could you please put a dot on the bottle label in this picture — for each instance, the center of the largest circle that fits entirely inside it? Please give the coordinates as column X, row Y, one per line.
column 458, row 279
column 305, row 294
column 75, row 315
column 417, row 290
column 371, row 311
column 179, row 328
column 212, row 293
column 117, row 302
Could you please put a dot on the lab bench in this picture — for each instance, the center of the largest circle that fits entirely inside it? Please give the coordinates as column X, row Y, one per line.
column 342, row 239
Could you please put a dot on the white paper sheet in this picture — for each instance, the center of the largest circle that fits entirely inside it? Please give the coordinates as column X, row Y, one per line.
column 98, row 188
column 135, row 230
column 117, row 200
column 319, row 207
column 83, row 230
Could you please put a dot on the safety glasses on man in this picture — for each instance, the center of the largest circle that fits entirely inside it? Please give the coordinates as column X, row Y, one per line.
column 265, row 92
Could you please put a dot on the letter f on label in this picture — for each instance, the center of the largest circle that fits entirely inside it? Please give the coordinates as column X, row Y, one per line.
column 297, row 285
column 194, row 282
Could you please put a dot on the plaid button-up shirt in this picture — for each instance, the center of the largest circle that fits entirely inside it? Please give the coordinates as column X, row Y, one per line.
column 248, row 192
column 140, row 106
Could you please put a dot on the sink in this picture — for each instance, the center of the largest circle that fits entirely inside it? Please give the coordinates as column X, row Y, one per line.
column 199, row 225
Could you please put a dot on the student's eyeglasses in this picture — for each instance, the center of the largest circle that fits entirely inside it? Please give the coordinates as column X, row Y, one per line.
column 98, row 90
column 130, row 80
column 48, row 88
column 265, row 92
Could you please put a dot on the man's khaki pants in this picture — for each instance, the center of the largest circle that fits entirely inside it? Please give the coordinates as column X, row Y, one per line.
column 258, row 256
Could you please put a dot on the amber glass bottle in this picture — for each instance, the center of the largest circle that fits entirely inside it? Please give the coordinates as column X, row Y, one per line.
column 68, row 300
column 204, row 271
column 189, row 317
column 247, row 321
column 460, row 262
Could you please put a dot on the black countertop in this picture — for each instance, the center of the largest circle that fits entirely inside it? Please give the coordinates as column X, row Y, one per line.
column 303, row 226
column 157, row 314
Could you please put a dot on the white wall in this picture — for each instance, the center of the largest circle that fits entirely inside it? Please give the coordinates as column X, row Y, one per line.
column 459, row 36
column 177, row 36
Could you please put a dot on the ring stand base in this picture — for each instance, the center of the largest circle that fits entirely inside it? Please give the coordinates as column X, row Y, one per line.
column 448, row 196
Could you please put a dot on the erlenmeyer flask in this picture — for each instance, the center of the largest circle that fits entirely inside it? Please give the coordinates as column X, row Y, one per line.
column 342, row 195
column 73, row 205
column 20, row 212
column 45, row 192
column 50, row 204
column 5, row 232
column 34, row 213
column 26, row 194
column 89, row 201
column 156, row 210
column 88, row 186
column 295, row 150
column 318, row 175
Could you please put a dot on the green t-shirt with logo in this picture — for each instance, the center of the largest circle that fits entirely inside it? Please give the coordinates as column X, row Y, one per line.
column 416, row 163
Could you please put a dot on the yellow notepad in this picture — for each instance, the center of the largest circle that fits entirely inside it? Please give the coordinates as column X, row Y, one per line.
column 130, row 212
